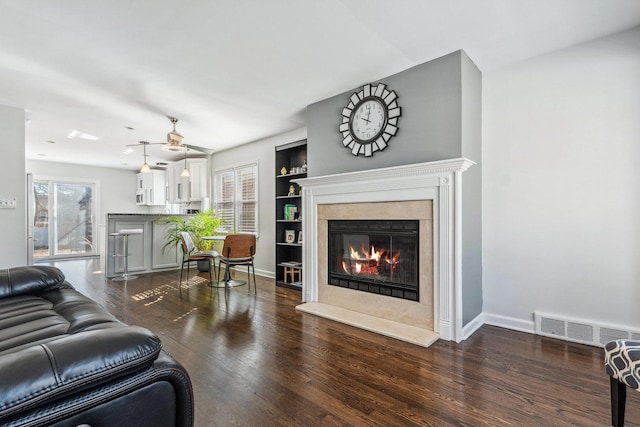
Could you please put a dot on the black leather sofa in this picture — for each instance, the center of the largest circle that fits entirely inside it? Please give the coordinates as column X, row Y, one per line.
column 65, row 361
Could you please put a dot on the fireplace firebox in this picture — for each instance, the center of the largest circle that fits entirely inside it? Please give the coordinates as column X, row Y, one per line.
column 377, row 256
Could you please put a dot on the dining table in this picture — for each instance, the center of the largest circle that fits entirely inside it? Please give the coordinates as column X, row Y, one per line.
column 227, row 282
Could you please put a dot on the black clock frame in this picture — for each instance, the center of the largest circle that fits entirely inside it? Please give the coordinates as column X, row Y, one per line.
column 390, row 128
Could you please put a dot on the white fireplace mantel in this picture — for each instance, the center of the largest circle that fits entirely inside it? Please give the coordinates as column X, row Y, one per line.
column 440, row 182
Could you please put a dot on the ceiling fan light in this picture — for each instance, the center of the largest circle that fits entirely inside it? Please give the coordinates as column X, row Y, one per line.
column 185, row 172
column 174, row 147
column 145, row 168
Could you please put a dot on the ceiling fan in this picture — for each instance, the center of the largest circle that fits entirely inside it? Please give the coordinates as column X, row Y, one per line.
column 174, row 142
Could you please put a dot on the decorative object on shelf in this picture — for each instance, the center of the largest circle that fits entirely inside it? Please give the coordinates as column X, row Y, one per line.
column 370, row 120
column 292, row 190
column 292, row 273
column 289, row 236
column 283, row 171
column 303, row 168
column 300, row 236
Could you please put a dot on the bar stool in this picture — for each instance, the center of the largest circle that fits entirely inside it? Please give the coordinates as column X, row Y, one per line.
column 125, row 233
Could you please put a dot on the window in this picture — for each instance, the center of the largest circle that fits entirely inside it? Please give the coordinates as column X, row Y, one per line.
column 236, row 198
column 63, row 218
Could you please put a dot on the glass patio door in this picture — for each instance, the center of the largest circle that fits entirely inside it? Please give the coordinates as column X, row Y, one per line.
column 63, row 220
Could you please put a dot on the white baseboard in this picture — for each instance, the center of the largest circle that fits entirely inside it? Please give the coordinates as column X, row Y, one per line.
column 471, row 327
column 510, row 323
column 263, row 273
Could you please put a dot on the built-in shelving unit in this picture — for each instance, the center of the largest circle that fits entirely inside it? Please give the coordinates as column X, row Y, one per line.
column 291, row 163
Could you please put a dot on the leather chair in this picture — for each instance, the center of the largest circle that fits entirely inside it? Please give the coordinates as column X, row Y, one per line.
column 622, row 363
column 65, row 361
column 189, row 254
column 238, row 249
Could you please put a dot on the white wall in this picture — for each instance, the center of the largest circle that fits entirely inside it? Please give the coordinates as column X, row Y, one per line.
column 13, row 222
column 262, row 151
column 561, row 185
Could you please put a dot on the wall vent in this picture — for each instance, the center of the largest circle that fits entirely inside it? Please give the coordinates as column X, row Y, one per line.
column 580, row 330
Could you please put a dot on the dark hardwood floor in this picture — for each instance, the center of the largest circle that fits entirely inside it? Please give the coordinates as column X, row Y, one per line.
column 255, row 361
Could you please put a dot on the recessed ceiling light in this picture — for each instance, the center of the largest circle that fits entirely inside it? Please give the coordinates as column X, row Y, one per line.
column 77, row 134
column 124, row 164
column 129, row 127
column 42, row 155
column 50, row 141
column 128, row 151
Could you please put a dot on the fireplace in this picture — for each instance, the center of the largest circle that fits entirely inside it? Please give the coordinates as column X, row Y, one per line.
column 376, row 256
column 428, row 192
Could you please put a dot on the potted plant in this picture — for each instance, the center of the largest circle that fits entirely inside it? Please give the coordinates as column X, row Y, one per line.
column 203, row 223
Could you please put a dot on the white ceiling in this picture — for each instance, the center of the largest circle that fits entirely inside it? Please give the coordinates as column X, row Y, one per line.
column 236, row 71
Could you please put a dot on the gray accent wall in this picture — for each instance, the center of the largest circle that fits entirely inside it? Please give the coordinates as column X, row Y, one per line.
column 471, row 141
column 429, row 128
column 441, row 119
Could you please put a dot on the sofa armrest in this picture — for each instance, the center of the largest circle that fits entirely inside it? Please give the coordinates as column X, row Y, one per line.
column 46, row 372
column 29, row 280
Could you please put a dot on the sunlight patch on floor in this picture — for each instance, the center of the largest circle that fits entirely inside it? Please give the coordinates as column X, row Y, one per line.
column 163, row 289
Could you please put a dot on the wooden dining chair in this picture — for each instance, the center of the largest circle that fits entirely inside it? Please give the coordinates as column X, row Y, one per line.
column 238, row 249
column 189, row 254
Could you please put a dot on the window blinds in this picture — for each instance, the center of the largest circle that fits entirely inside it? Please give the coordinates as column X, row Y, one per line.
column 236, row 198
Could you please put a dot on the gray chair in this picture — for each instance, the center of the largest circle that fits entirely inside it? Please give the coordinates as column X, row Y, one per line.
column 190, row 254
column 622, row 363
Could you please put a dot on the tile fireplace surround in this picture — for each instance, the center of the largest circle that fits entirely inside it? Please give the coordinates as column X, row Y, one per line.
column 428, row 192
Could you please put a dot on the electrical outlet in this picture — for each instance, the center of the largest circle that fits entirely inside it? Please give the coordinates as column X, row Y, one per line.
column 7, row 203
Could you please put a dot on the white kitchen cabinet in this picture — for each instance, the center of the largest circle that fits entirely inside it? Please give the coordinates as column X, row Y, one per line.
column 187, row 189
column 151, row 188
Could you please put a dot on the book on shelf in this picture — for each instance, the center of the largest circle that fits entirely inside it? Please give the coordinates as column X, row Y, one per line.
column 290, row 212
column 291, row 264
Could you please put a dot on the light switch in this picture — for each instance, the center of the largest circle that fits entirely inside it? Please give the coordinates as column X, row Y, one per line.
column 7, row 203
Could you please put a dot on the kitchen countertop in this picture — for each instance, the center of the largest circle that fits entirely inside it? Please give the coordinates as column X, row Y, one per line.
column 146, row 214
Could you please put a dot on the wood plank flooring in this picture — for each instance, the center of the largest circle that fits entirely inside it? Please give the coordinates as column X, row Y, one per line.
column 255, row 361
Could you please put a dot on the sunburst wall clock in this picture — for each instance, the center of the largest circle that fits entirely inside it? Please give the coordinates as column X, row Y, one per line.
column 370, row 120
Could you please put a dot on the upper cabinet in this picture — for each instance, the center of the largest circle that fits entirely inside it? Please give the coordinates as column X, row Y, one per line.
column 193, row 188
column 151, row 188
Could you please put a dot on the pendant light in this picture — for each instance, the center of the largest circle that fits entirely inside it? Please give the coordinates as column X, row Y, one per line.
column 185, row 172
column 145, row 167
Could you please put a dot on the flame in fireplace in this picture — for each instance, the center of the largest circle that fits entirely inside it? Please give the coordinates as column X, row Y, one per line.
column 368, row 262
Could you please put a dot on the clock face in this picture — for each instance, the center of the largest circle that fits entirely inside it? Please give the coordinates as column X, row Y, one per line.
column 369, row 120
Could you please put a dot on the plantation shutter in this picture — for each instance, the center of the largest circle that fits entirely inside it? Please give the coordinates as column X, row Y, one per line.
column 246, row 198
column 223, row 198
column 236, row 198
